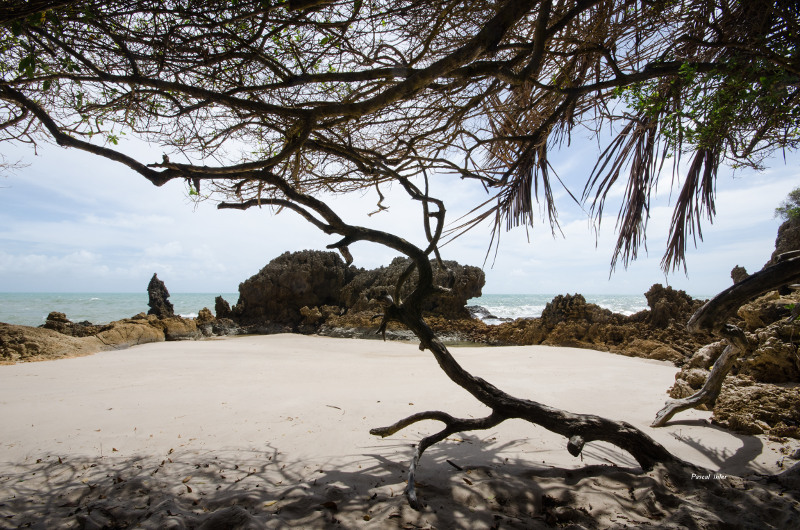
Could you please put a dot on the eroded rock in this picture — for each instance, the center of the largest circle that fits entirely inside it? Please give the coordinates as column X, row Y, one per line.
column 669, row 306
column 293, row 288
column 159, row 299
column 787, row 240
column 222, row 308
column 25, row 343
column 750, row 407
column 288, row 283
column 132, row 331
column 738, row 274
column 59, row 322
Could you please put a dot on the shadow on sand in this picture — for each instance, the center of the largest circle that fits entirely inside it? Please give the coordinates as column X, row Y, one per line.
column 463, row 484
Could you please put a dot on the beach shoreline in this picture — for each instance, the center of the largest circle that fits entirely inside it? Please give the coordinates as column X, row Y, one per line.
column 158, row 413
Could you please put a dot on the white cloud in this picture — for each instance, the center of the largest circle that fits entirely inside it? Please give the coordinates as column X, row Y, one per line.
column 167, row 250
column 72, row 222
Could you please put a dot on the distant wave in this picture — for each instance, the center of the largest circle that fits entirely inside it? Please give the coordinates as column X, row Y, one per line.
column 31, row 309
column 507, row 306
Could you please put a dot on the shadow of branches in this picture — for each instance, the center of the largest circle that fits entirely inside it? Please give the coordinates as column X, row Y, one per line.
column 463, row 483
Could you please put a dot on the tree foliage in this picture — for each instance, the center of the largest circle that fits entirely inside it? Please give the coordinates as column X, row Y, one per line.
column 256, row 100
column 790, row 207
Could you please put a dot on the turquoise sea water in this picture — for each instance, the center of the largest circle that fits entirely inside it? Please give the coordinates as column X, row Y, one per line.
column 31, row 309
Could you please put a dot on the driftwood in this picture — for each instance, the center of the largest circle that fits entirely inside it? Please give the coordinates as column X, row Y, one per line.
column 713, row 317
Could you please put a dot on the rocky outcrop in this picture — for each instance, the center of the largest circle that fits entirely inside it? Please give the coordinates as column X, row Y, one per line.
column 178, row 328
column 222, row 308
column 64, row 338
column 762, row 392
column 765, row 310
column 669, row 307
column 738, row 274
column 25, row 343
column 568, row 320
column 304, row 290
column 132, row 331
column 290, row 282
column 59, row 322
column 788, row 239
column 573, row 308
column 464, row 282
column 757, row 408
column 158, row 302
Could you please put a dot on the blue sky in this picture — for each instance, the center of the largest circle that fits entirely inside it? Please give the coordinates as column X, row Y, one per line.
column 70, row 222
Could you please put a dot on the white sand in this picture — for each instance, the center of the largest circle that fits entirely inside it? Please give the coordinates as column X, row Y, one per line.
column 293, row 413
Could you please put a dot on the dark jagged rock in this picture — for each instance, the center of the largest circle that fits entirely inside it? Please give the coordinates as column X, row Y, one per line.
column 466, row 282
column 788, row 239
column 59, row 322
column 564, row 308
column 481, row 313
column 669, row 306
column 738, row 274
column 225, row 326
column 303, row 290
column 568, row 320
column 290, row 282
column 158, row 302
column 222, row 308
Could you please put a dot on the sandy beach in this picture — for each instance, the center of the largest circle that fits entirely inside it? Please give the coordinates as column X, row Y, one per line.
column 273, row 431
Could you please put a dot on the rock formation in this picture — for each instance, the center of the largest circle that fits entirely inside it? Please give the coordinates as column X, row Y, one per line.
column 762, row 392
column 788, row 239
column 303, row 290
column 290, row 282
column 568, row 320
column 668, row 306
column 464, row 282
column 59, row 322
column 222, row 308
column 25, row 343
column 158, row 302
column 738, row 274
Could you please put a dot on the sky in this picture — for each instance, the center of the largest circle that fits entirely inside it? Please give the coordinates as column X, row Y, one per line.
column 72, row 222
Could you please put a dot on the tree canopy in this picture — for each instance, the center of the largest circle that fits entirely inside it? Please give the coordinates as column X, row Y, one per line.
column 269, row 102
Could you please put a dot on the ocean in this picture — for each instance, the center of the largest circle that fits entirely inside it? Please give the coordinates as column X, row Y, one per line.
column 505, row 306
column 31, row 309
